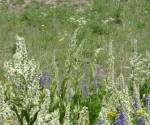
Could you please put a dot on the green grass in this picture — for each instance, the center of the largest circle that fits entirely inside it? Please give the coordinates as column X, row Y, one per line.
column 44, row 29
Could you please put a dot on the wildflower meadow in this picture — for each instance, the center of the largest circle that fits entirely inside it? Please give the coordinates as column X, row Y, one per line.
column 72, row 63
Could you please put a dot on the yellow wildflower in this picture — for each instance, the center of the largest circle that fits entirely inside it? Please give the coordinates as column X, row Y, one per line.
column 141, row 112
column 111, row 114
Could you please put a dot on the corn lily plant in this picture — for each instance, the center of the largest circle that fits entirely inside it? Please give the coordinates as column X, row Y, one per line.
column 24, row 95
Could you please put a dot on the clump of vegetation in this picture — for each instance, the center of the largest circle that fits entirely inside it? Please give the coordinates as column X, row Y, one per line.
column 92, row 66
column 78, row 96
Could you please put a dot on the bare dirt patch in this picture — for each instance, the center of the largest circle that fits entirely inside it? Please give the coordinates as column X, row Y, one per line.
column 21, row 4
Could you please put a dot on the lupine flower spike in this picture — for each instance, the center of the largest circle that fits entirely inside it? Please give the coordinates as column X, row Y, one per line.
column 44, row 79
column 141, row 120
column 147, row 103
column 96, row 86
column 135, row 104
column 120, row 119
column 100, row 122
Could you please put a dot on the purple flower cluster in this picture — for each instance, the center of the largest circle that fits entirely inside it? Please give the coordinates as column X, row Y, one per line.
column 147, row 103
column 96, row 85
column 136, row 104
column 44, row 79
column 87, row 91
column 14, row 123
column 99, row 72
column 82, row 82
column 141, row 121
column 85, row 87
column 100, row 122
column 120, row 120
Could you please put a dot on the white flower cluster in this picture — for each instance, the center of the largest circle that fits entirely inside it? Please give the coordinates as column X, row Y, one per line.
column 137, row 69
column 6, row 115
column 43, row 117
column 146, row 60
column 147, row 118
column 80, row 21
column 67, row 116
column 74, row 58
column 54, row 118
column 83, row 117
column 117, row 96
column 111, row 62
column 24, row 94
column 21, row 72
column 107, row 20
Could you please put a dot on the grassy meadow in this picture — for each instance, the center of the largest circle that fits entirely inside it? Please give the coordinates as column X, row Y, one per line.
column 49, row 30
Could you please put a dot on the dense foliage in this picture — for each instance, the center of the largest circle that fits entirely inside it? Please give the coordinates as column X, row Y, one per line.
column 83, row 93
column 90, row 67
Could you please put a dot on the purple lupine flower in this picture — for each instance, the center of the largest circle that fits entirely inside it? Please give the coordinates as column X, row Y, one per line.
column 100, row 122
column 84, row 87
column 82, row 83
column 44, row 79
column 96, row 85
column 87, row 91
column 147, row 103
column 14, row 123
column 136, row 104
column 120, row 119
column 141, row 120
column 99, row 72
